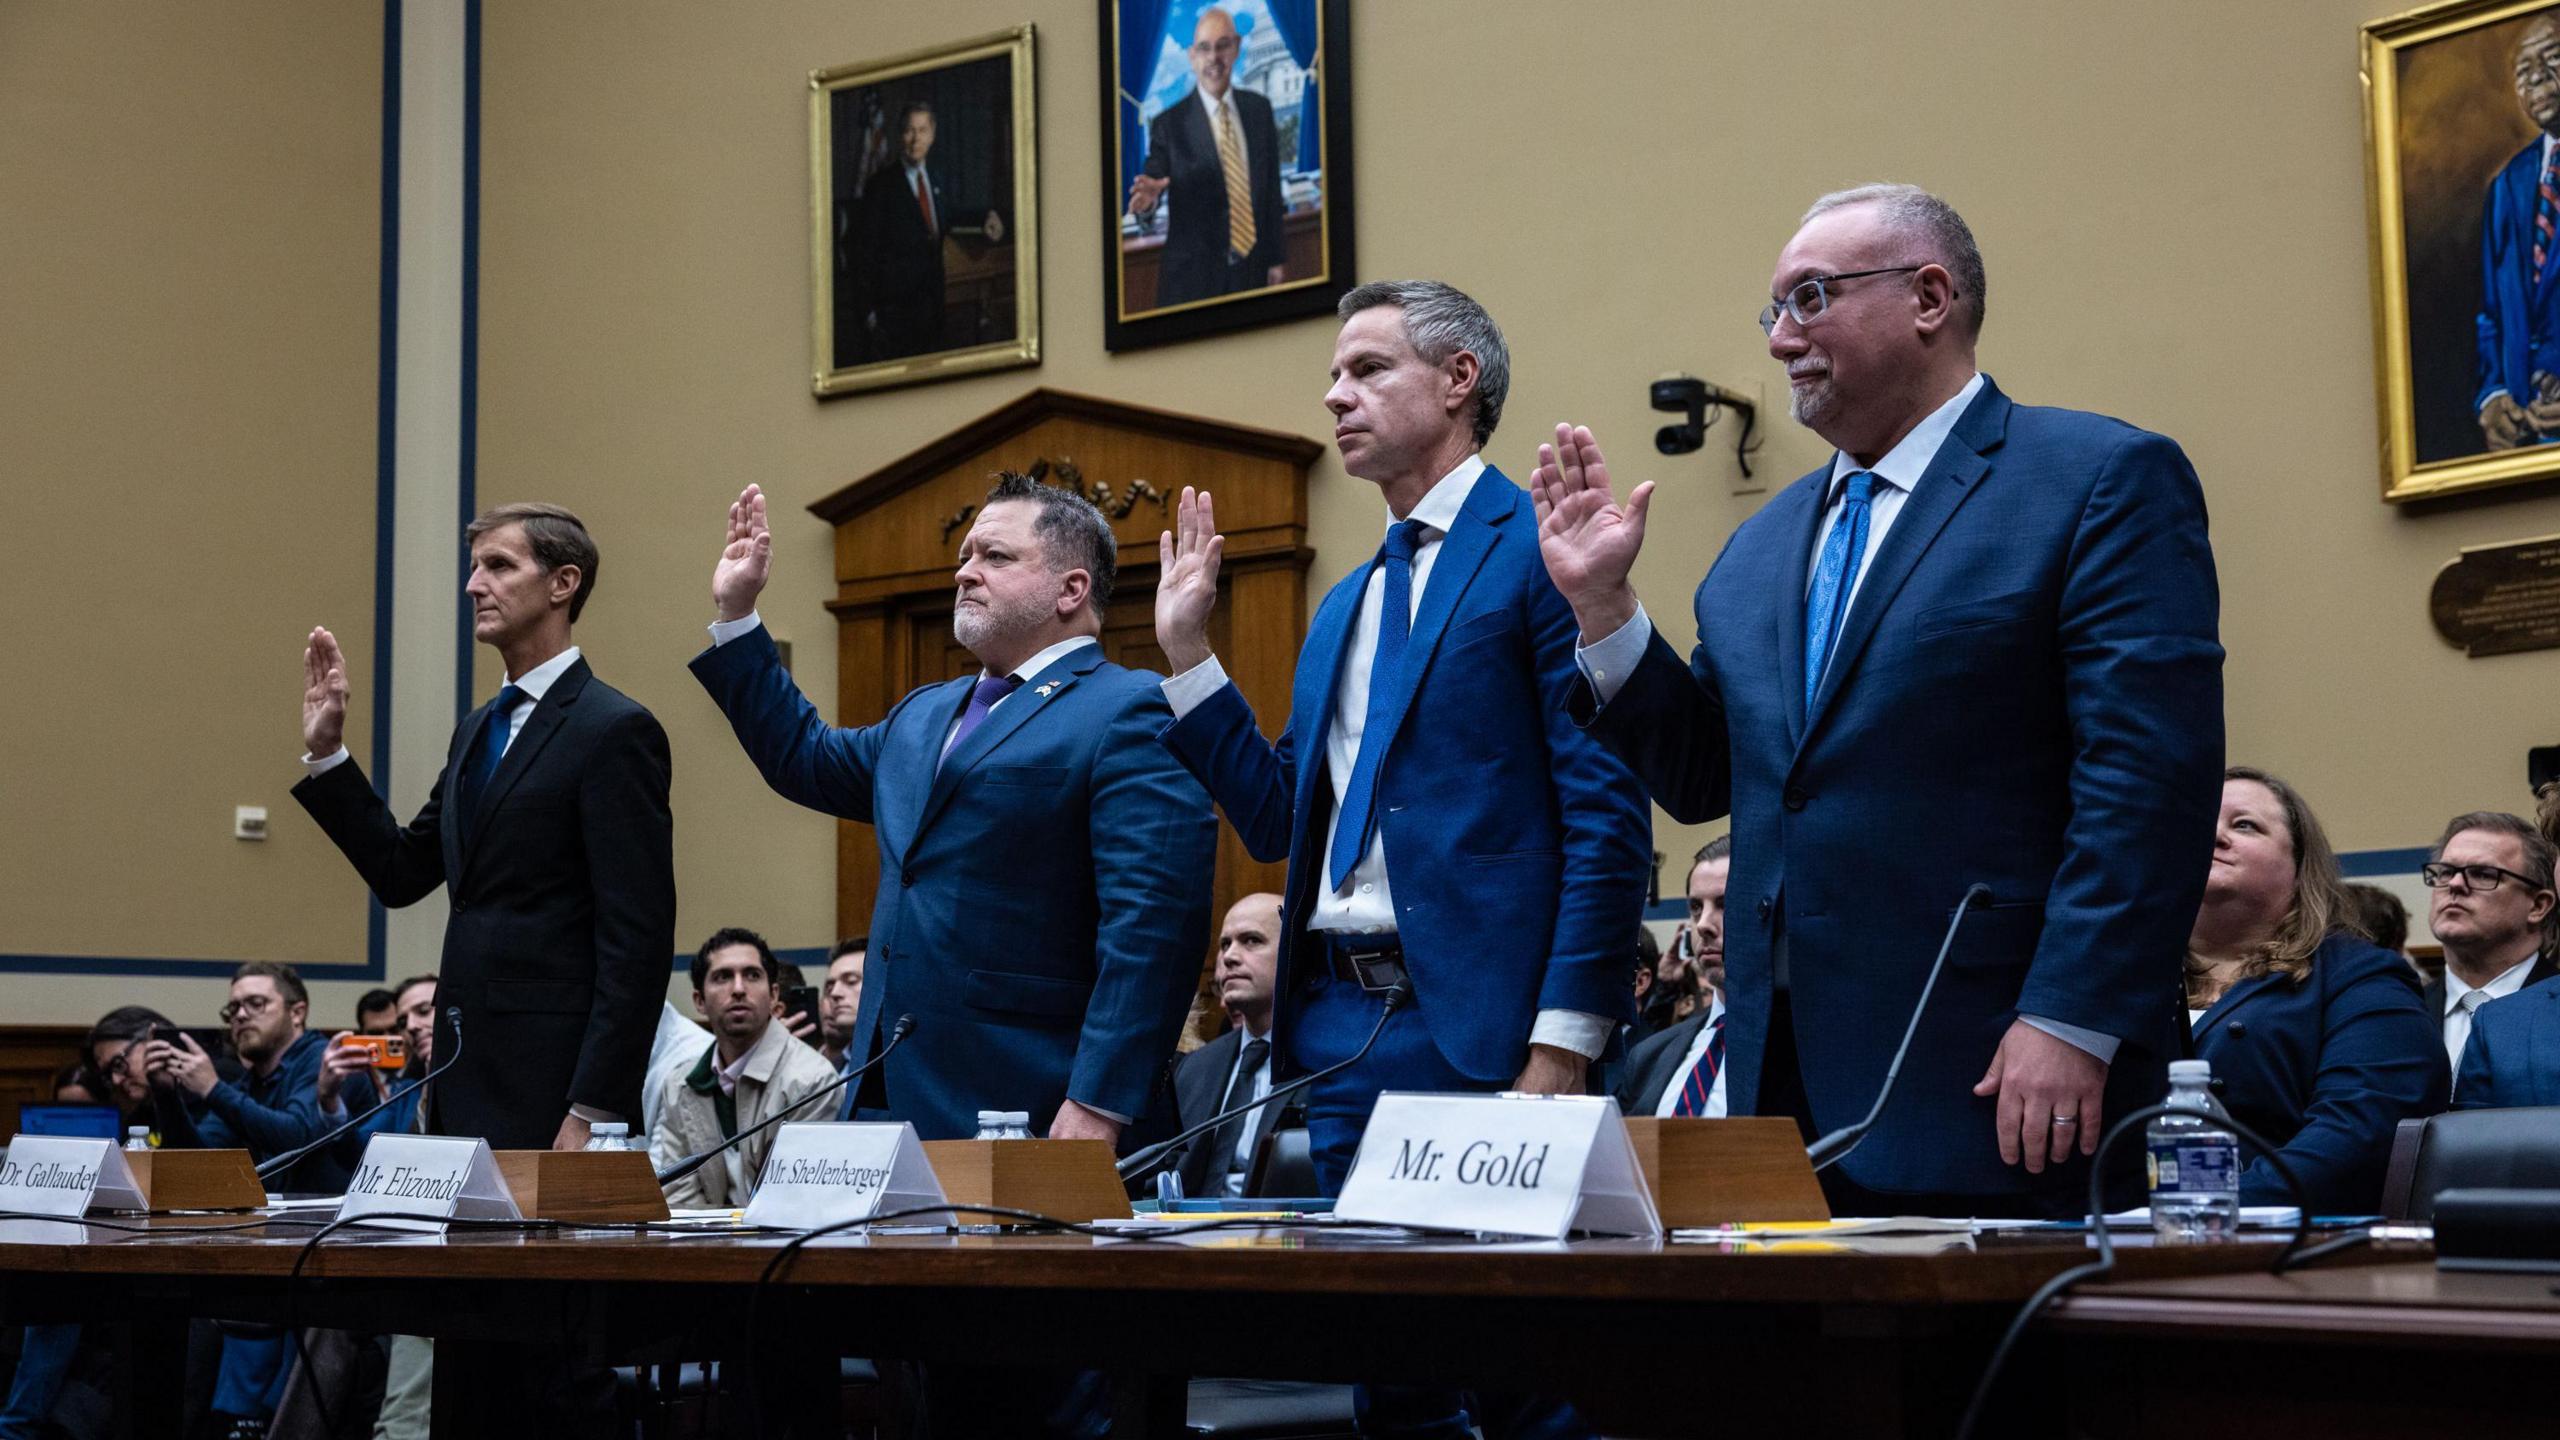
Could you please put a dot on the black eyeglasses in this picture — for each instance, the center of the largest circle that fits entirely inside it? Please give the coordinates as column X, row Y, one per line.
column 1811, row 297
column 2436, row 875
column 246, row 1005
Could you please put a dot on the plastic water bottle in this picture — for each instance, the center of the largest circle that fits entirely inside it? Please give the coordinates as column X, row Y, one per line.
column 608, row 1135
column 137, row 1137
column 991, row 1124
column 1017, row 1125
column 2195, row 1164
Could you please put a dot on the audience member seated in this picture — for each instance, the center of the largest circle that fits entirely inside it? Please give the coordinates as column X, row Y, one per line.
column 116, row 1058
column 752, row 1069
column 1680, row 1071
column 1694, row 966
column 344, row 1070
column 274, row 1106
column 840, row 998
column 74, row 1085
column 377, row 1013
column 2318, row 1039
column 1655, row 1002
column 1235, row 1067
column 2380, row 916
column 2513, row 1058
column 2488, row 915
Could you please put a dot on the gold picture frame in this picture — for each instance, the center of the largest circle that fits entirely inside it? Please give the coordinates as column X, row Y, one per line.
column 2452, row 113
column 924, row 216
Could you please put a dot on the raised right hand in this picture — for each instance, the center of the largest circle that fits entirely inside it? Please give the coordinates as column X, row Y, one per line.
column 747, row 558
column 1588, row 540
column 1187, row 559
column 324, row 695
column 1145, row 191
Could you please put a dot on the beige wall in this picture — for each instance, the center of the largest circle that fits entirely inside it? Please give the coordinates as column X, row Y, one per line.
column 186, row 476
column 2170, row 197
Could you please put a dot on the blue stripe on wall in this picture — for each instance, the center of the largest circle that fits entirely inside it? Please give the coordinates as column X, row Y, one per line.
column 2363, row 864
column 386, row 475
column 467, row 454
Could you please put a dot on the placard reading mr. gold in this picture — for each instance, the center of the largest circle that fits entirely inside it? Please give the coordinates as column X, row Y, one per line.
column 1543, row 1165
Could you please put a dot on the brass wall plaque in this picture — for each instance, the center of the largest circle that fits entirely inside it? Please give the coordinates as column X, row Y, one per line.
column 2500, row 599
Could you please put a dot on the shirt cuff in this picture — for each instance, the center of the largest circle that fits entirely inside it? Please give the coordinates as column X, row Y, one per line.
column 1579, row 1031
column 1190, row 690
column 724, row 631
column 1607, row 663
column 594, row 1116
column 326, row 763
column 2101, row 1045
column 1112, row 1116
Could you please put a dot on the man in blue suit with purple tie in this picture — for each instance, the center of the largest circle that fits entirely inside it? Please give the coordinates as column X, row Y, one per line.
column 1976, row 646
column 1044, row 865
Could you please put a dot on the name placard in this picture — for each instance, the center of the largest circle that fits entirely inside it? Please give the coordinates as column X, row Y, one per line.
column 1539, row 1165
column 428, row 1177
column 66, row 1176
column 826, row 1173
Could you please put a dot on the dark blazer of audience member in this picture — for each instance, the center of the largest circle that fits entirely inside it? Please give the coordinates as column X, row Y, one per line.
column 1501, row 853
column 1667, row 1057
column 1199, row 259
column 2513, row 1058
column 2491, row 915
column 900, row 258
column 2030, row 645
column 2317, row 1037
column 1213, row 1077
column 270, row 1109
column 1044, row 865
column 560, row 865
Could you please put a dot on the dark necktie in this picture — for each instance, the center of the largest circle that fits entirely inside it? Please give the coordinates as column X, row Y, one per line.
column 2545, row 202
column 1239, row 1090
column 491, row 747
column 990, row 689
column 1359, row 821
column 1834, row 575
column 924, row 203
column 1702, row 1076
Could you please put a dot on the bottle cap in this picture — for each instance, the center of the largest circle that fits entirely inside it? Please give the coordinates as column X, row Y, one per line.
column 138, row 1132
column 1017, row 1117
column 2190, row 1070
column 991, row 1117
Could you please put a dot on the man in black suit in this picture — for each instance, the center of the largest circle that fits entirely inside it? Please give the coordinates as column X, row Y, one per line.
column 1235, row 1067
column 901, row 255
column 551, row 830
column 1219, row 151
column 1680, row 1070
column 2488, row 916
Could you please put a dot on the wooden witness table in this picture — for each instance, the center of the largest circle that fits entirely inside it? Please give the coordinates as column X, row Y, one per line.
column 1651, row 1339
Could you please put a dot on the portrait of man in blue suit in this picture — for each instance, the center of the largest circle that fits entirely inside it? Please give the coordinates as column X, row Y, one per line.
column 1044, row 865
column 2518, row 396
column 1978, row 646
column 1446, row 828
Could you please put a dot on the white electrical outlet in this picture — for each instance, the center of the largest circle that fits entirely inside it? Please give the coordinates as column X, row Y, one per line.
column 248, row 822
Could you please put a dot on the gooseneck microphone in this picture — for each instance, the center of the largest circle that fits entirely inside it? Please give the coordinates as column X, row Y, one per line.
column 905, row 1027
column 1831, row 1149
column 453, row 1016
column 1155, row 1157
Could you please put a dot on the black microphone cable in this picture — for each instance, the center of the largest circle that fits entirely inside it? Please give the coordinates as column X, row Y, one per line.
column 286, row 1160
column 906, row 1026
column 1146, row 1162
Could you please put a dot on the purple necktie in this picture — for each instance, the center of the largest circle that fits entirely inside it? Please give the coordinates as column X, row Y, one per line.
column 990, row 689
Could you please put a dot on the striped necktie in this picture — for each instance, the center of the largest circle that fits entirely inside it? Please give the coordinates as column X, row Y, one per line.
column 1701, row 1084
column 2545, row 203
column 1240, row 194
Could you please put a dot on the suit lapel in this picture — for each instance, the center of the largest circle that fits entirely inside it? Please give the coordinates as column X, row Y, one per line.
column 2235, row 997
column 1807, row 496
column 1943, row 489
column 1027, row 700
column 1321, row 659
column 1462, row 554
column 549, row 713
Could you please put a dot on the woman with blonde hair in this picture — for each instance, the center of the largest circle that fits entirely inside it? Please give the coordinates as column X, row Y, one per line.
column 2318, row 1038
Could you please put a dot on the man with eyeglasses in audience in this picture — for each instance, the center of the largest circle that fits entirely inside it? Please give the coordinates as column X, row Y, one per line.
column 2489, row 890
column 273, row 1107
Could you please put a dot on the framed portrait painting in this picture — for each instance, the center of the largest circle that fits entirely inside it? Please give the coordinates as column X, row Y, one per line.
column 1226, row 136
column 2461, row 130
column 924, row 243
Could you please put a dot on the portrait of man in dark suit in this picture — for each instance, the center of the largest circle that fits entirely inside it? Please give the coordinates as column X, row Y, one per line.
column 1213, row 164
column 901, row 253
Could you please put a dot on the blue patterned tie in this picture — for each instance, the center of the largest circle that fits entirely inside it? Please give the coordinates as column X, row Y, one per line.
column 1833, row 576
column 990, row 689
column 492, row 744
column 1701, row 1084
column 1359, row 820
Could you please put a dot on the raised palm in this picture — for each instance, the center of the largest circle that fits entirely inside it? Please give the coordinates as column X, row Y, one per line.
column 1588, row 540
column 747, row 558
column 1187, row 559
column 324, row 695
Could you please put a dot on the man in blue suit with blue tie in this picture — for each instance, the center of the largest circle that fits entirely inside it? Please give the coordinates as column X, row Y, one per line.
column 1446, row 828
column 1044, row 866
column 1977, row 646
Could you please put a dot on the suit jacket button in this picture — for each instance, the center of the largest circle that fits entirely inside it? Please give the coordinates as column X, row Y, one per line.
column 1764, row 907
column 1795, row 798
column 907, row 878
column 2237, row 1027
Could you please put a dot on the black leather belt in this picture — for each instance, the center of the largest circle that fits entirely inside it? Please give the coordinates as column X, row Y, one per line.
column 1375, row 963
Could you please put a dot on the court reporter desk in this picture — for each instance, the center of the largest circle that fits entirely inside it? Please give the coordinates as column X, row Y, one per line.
column 1652, row 1339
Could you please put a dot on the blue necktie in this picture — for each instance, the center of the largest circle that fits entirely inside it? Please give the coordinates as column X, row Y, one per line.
column 1833, row 575
column 492, row 744
column 1359, row 821
column 990, row 689
column 1701, row 1084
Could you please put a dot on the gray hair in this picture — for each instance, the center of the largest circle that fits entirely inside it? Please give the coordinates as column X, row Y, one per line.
column 1441, row 320
column 1911, row 211
column 1072, row 533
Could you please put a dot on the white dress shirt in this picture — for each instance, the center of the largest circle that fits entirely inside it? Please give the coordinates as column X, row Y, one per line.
column 1240, row 1165
column 724, row 631
column 1606, row 663
column 1698, row 1044
column 1366, row 903
column 2461, row 999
